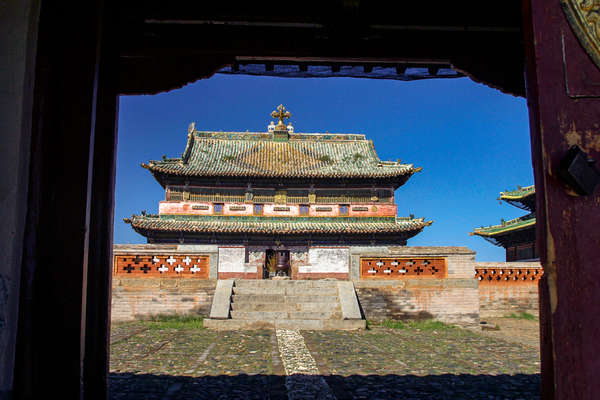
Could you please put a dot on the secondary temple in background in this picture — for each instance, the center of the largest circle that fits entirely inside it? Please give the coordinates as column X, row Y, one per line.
column 517, row 235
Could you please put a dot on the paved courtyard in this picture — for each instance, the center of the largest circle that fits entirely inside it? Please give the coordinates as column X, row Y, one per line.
column 180, row 360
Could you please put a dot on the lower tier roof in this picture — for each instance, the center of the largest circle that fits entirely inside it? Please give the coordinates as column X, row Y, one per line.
column 510, row 232
column 144, row 224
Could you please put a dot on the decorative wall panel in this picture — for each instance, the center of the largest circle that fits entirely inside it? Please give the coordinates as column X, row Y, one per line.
column 175, row 265
column 399, row 268
column 508, row 276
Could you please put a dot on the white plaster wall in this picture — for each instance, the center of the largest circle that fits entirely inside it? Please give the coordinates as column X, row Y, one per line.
column 327, row 260
column 231, row 259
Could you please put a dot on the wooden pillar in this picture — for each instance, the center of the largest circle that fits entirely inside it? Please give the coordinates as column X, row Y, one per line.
column 563, row 93
column 100, row 258
column 52, row 308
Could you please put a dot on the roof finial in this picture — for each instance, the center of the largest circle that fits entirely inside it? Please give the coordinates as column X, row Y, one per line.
column 281, row 113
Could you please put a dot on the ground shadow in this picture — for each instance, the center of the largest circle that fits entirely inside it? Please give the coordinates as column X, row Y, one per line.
column 126, row 386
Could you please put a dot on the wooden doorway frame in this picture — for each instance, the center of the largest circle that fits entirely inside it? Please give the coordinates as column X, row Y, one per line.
column 67, row 247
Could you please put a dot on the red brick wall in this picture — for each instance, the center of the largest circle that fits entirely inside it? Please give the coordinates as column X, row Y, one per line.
column 508, row 288
column 143, row 297
column 453, row 301
column 500, row 301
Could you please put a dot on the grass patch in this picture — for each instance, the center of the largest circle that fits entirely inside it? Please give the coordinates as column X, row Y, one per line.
column 422, row 325
column 175, row 322
column 522, row 315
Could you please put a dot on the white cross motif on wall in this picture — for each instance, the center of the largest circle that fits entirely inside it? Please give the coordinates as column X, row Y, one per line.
column 155, row 259
column 402, row 271
column 388, row 271
column 187, row 260
column 394, row 263
column 372, row 271
column 379, row 263
column 195, row 269
column 163, row 268
column 171, row 260
column 179, row 269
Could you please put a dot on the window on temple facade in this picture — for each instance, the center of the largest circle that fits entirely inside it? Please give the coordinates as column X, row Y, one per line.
column 344, row 209
column 218, row 208
column 258, row 209
column 304, row 210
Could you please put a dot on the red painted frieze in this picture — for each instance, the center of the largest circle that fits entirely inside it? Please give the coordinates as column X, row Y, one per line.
column 400, row 268
column 508, row 276
column 170, row 265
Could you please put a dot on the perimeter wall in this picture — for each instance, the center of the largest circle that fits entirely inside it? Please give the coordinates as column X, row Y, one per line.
column 444, row 283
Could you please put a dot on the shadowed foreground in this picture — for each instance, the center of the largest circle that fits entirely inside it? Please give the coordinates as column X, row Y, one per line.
column 144, row 386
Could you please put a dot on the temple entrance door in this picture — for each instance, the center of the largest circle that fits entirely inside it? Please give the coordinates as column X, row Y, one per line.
column 282, row 265
column 270, row 262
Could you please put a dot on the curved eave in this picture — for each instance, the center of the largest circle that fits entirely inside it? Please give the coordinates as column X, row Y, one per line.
column 498, row 230
column 406, row 227
column 385, row 173
column 518, row 194
column 523, row 198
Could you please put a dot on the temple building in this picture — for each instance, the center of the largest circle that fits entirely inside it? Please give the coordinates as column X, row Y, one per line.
column 517, row 236
column 279, row 202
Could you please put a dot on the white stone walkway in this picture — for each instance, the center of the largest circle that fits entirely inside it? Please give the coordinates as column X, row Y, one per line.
column 303, row 380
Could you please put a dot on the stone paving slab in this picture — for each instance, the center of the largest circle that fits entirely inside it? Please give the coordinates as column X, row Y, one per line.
column 381, row 363
column 516, row 330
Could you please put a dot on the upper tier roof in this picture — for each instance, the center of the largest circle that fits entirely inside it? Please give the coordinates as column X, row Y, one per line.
column 523, row 197
column 303, row 155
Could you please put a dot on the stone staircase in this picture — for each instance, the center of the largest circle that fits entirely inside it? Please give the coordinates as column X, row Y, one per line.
column 285, row 304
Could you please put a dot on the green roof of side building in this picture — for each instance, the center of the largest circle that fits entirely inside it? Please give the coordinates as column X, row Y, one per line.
column 237, row 154
column 523, row 197
column 512, row 225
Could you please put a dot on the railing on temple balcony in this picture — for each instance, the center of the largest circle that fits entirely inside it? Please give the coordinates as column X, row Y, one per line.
column 174, row 196
column 270, row 196
column 263, row 199
column 507, row 274
column 217, row 198
column 298, row 199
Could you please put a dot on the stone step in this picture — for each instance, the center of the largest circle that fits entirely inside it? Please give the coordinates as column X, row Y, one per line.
column 302, row 324
column 266, row 283
column 292, row 315
column 281, row 298
column 287, row 291
column 282, row 306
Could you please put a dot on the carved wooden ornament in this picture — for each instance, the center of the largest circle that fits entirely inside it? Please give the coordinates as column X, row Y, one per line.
column 584, row 18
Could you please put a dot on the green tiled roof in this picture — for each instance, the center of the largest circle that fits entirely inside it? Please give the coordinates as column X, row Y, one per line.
column 235, row 154
column 276, row 225
column 523, row 197
column 518, row 194
column 513, row 225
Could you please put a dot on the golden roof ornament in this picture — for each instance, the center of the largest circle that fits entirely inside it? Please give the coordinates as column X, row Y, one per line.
column 281, row 113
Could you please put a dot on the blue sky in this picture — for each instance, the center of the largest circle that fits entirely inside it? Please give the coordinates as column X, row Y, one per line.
column 472, row 141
